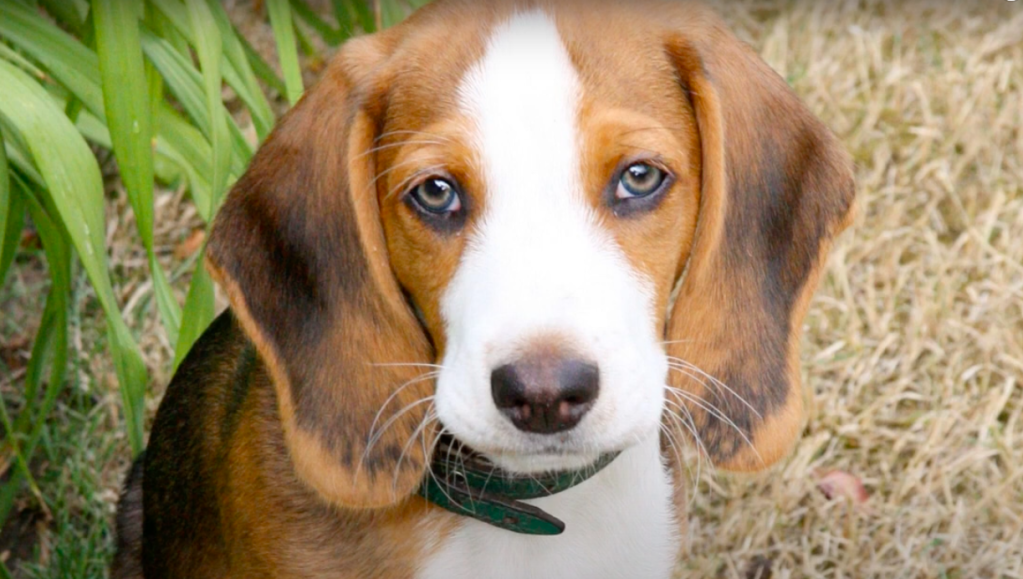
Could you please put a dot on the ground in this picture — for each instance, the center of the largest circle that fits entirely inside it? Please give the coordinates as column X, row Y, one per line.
column 913, row 348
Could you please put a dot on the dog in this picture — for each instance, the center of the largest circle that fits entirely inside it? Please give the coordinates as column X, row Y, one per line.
column 484, row 278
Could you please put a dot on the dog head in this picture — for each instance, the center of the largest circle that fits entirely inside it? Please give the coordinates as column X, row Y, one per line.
column 547, row 228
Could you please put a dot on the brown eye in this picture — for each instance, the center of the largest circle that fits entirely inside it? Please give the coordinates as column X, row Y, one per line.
column 640, row 180
column 437, row 196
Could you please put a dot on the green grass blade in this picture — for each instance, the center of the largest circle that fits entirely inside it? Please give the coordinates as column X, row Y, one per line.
column 237, row 71
column 129, row 117
column 209, row 47
column 75, row 67
column 69, row 61
column 51, row 344
column 260, row 67
column 287, row 52
column 13, row 222
column 67, row 13
column 364, row 14
column 6, row 52
column 344, row 16
column 73, row 180
column 330, row 35
column 187, row 86
column 187, row 146
column 246, row 86
column 12, row 215
column 199, row 310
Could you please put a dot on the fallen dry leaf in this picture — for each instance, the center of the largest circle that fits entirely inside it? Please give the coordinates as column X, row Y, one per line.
column 838, row 483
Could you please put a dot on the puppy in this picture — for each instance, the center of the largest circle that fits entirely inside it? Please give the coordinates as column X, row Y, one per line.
column 483, row 278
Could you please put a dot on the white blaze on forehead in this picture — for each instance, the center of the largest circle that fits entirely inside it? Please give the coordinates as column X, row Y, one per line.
column 524, row 98
column 538, row 263
column 538, row 230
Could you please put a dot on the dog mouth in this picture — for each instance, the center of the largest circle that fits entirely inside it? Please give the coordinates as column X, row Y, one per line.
column 468, row 483
column 451, row 453
column 550, row 457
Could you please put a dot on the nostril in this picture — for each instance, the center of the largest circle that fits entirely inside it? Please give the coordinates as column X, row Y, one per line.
column 545, row 395
column 507, row 389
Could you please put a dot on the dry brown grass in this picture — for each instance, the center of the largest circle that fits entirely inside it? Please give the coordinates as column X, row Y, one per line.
column 913, row 356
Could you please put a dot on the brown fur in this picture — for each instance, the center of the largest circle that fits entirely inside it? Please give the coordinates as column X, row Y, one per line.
column 258, row 463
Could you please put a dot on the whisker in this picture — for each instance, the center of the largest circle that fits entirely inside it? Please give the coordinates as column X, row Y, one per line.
column 394, row 145
column 376, row 437
column 404, row 182
column 714, row 411
column 416, row 380
column 384, row 136
column 433, row 475
column 690, row 366
column 391, row 170
column 427, row 419
column 685, row 419
column 407, row 364
column 672, row 438
column 371, row 438
column 645, row 129
column 395, row 167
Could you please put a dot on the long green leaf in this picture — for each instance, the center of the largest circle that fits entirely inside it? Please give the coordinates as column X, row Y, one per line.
column 364, row 13
column 69, row 61
column 284, row 33
column 73, row 180
column 12, row 216
column 330, row 35
column 67, row 12
column 129, row 116
column 209, row 47
column 344, row 16
column 261, row 68
column 199, row 310
column 186, row 145
column 187, row 85
column 76, row 67
column 237, row 71
column 51, row 343
column 246, row 86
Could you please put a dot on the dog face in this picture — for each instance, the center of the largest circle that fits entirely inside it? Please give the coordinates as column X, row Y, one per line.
column 547, row 234
column 562, row 211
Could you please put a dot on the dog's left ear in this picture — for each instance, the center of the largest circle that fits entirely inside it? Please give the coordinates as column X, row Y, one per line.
column 300, row 250
column 776, row 187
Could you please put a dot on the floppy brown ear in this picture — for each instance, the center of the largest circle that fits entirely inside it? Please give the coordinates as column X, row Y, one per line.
column 299, row 248
column 776, row 188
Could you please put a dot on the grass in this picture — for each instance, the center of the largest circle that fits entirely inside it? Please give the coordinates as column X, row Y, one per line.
column 913, row 349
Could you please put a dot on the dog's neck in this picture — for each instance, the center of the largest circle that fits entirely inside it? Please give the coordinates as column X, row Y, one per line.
column 620, row 523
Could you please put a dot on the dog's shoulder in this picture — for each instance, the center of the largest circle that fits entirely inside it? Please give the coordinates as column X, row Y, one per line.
column 190, row 440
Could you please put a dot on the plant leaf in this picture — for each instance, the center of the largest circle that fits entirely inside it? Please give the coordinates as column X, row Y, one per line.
column 284, row 32
column 199, row 310
column 12, row 216
column 69, row 61
column 72, row 179
column 129, row 117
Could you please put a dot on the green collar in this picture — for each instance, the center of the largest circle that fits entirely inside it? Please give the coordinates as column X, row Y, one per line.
column 471, row 486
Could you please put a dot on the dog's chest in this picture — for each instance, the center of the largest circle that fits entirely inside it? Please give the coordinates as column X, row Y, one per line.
column 619, row 524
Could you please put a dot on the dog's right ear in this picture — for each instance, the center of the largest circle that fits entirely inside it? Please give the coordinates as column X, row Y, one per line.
column 299, row 248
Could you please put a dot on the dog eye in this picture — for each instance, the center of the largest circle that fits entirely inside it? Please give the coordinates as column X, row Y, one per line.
column 437, row 196
column 640, row 180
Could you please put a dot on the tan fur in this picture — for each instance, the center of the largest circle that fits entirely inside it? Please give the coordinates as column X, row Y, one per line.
column 317, row 251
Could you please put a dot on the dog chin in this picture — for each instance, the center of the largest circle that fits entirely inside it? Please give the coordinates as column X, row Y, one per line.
column 544, row 462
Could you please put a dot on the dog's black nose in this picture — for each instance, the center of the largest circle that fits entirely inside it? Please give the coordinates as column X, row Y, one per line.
column 545, row 394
